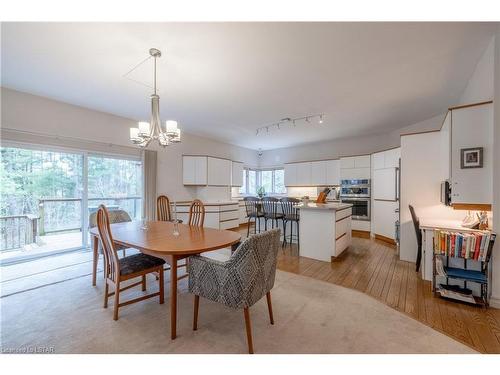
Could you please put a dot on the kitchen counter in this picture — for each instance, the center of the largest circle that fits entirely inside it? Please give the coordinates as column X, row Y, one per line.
column 324, row 206
column 325, row 230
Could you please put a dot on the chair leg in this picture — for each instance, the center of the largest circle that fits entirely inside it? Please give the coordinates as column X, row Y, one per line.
column 291, row 233
column 106, row 292
column 255, row 225
column 143, row 283
column 284, row 234
column 117, row 300
column 265, row 224
column 248, row 226
column 248, row 326
column 298, row 236
column 195, row 313
column 161, row 285
column 419, row 257
column 270, row 307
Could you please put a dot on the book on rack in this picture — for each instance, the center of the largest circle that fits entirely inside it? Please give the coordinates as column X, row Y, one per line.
column 472, row 246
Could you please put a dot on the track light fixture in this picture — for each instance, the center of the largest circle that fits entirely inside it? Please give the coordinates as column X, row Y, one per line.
column 289, row 121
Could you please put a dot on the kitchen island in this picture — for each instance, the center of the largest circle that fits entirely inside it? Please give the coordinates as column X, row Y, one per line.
column 325, row 230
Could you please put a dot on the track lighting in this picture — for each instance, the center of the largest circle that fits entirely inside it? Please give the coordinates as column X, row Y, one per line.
column 289, row 121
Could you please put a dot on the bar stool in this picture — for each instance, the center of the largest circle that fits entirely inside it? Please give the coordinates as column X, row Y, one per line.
column 290, row 215
column 253, row 212
column 270, row 211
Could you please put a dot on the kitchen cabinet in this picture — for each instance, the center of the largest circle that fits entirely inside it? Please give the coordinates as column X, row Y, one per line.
column 445, row 154
column 332, row 172
column 386, row 159
column 384, row 218
column 385, row 184
column 223, row 215
column 219, row 172
column 290, row 174
column 194, row 170
column 355, row 167
column 303, row 174
column 237, row 174
column 318, row 173
column 472, row 127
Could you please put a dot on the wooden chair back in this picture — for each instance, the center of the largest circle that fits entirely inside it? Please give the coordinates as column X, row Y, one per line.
column 163, row 208
column 251, row 206
column 111, row 262
column 196, row 213
column 270, row 206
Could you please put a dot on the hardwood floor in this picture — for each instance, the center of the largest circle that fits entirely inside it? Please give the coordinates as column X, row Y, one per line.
column 372, row 267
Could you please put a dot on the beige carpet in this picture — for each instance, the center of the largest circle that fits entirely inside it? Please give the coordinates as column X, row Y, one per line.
column 310, row 317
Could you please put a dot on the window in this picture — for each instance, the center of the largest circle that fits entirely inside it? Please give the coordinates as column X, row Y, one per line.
column 271, row 180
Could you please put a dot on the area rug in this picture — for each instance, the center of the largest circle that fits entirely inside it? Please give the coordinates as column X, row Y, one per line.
column 310, row 317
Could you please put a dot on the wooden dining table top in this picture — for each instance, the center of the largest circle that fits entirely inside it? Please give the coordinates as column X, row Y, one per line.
column 159, row 239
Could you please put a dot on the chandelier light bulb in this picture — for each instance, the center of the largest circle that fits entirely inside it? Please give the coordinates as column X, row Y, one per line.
column 320, row 119
column 144, row 129
column 171, row 126
column 134, row 134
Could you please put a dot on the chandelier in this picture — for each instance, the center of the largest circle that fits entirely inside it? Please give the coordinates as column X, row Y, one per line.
column 147, row 131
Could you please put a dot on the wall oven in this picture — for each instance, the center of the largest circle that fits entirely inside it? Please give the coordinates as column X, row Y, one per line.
column 355, row 188
column 357, row 193
column 360, row 208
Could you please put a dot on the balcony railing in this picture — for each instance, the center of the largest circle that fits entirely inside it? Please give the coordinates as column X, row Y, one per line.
column 57, row 215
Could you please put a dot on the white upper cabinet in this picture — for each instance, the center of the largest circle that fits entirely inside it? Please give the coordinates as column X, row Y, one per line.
column 194, row 170
column 237, row 174
column 304, row 174
column 385, row 184
column 445, row 157
column 219, row 172
column 332, row 172
column 472, row 127
column 290, row 174
column 318, row 173
column 378, row 160
column 362, row 161
column 386, row 159
column 355, row 167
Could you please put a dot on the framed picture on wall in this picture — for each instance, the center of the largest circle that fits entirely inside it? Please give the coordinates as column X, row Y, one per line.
column 471, row 157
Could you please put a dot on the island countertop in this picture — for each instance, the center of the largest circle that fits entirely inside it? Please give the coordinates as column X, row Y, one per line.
column 324, row 206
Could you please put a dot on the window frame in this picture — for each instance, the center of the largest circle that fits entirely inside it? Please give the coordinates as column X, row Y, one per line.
column 259, row 171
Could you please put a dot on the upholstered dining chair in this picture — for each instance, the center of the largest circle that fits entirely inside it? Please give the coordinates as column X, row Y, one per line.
column 196, row 213
column 240, row 281
column 118, row 270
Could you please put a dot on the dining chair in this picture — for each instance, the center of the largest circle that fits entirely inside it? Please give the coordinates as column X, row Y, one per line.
column 239, row 282
column 118, row 270
column 163, row 212
column 290, row 215
column 196, row 213
column 418, row 232
column 115, row 216
column 270, row 210
column 253, row 212
column 163, row 208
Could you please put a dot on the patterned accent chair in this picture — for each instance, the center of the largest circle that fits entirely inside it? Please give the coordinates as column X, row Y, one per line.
column 239, row 282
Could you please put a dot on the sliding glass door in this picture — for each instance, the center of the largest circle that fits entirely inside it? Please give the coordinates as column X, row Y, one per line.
column 46, row 197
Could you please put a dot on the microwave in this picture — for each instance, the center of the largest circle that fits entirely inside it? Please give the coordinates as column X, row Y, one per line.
column 446, row 193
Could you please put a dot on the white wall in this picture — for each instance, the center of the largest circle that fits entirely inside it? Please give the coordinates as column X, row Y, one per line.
column 30, row 113
column 480, row 86
column 421, row 178
column 346, row 146
column 495, row 297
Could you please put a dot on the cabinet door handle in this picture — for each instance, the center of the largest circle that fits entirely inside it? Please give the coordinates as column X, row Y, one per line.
column 396, row 190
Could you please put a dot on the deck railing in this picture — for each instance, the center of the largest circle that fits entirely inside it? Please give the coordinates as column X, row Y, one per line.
column 57, row 215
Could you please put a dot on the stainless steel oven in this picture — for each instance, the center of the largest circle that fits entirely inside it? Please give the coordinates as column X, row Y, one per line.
column 360, row 208
column 355, row 188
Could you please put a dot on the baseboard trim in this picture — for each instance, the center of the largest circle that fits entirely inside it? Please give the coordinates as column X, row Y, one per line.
column 495, row 302
column 385, row 239
column 360, row 233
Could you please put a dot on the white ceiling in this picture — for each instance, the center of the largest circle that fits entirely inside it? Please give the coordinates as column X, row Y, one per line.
column 224, row 80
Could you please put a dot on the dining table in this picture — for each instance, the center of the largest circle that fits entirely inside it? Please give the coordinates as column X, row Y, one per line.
column 169, row 241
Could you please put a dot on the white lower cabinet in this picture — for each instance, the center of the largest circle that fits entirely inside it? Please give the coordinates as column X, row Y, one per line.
column 218, row 216
column 384, row 218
